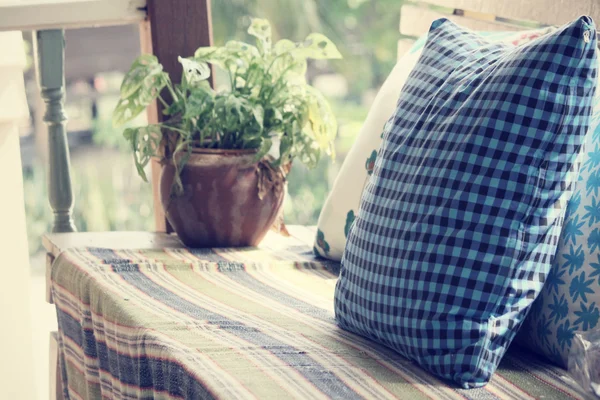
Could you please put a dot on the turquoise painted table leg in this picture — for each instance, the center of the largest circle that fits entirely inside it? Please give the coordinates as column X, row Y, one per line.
column 50, row 60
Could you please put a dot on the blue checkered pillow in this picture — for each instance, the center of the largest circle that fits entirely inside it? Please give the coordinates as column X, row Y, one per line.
column 458, row 226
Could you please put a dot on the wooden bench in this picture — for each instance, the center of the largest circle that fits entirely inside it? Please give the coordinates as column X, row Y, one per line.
column 169, row 29
column 50, row 18
column 56, row 243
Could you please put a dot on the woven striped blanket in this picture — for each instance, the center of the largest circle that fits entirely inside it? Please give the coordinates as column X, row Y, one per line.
column 238, row 323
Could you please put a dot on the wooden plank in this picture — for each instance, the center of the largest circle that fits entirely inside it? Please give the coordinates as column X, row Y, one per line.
column 415, row 21
column 551, row 12
column 52, row 14
column 55, row 243
column 160, row 220
column 178, row 29
column 49, row 261
column 173, row 29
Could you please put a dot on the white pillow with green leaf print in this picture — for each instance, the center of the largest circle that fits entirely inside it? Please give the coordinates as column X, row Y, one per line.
column 342, row 204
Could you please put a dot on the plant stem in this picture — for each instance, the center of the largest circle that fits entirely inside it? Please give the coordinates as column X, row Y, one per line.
column 164, row 103
column 172, row 91
column 273, row 61
column 172, row 128
column 233, row 79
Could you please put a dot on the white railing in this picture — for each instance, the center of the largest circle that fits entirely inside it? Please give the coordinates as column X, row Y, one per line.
column 62, row 14
column 49, row 18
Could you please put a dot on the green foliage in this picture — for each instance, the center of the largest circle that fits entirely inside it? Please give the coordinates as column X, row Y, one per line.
column 308, row 189
column 268, row 102
column 366, row 31
column 140, row 87
column 107, row 198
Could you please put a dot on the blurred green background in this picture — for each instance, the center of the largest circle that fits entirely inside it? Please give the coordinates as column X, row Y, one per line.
column 108, row 193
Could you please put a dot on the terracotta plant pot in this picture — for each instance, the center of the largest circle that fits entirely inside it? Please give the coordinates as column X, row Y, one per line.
column 220, row 205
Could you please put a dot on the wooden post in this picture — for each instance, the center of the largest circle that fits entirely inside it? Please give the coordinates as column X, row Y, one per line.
column 173, row 28
column 56, row 383
column 50, row 60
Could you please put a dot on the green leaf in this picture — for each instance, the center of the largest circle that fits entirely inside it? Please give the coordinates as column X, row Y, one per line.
column 261, row 29
column 283, row 46
column 141, row 85
column 318, row 46
column 307, row 150
column 205, row 52
column 148, row 141
column 199, row 101
column 145, row 142
column 173, row 109
column 265, row 146
column 234, row 55
column 255, row 76
column 285, row 148
column 144, row 66
column 235, row 47
column 194, row 71
column 129, row 134
column 150, row 89
column 259, row 114
column 180, row 161
column 212, row 55
column 153, row 84
column 321, row 118
column 126, row 110
column 289, row 69
column 235, row 114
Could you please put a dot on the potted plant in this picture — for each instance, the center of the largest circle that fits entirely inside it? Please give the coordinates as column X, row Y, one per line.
column 225, row 153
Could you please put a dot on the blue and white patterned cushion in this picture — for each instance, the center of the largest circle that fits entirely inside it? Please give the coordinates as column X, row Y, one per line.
column 570, row 299
column 341, row 206
column 460, row 220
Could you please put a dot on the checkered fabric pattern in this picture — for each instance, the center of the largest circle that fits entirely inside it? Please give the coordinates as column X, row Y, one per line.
column 570, row 300
column 459, row 223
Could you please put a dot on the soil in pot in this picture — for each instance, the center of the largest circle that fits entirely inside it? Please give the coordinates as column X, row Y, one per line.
column 221, row 204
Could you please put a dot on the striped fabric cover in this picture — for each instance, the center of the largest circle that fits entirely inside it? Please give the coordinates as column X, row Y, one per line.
column 238, row 323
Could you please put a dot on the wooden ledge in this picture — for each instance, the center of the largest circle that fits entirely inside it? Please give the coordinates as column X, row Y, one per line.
column 55, row 243
column 62, row 14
